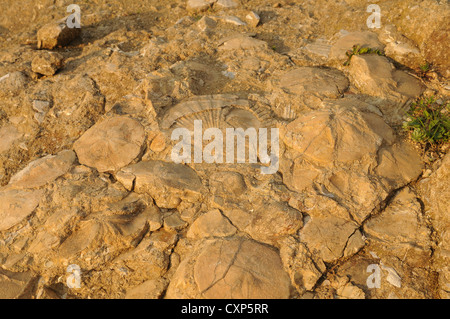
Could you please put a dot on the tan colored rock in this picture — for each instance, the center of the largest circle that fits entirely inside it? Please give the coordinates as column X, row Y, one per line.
column 329, row 83
column 14, row 285
column 327, row 236
column 110, row 144
column 267, row 221
column 243, row 43
column 116, row 231
column 16, row 205
column 206, row 24
column 10, row 135
column 56, row 34
column 158, row 143
column 231, row 268
column 173, row 222
column 168, row 183
column 399, row 165
column 436, row 48
column 151, row 289
column 226, row 183
column 346, row 290
column 303, row 268
column 312, row 135
column 47, row 63
column 199, row 5
column 11, row 84
column 376, row 76
column 325, row 147
column 150, row 259
column 44, row 170
column 400, row 48
column 200, row 107
column 365, row 39
column 253, row 19
column 211, row 224
column 226, row 4
column 402, row 228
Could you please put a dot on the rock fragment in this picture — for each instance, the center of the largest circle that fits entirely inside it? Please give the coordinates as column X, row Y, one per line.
column 168, row 183
column 199, row 5
column 47, row 63
column 11, row 84
column 206, row 24
column 253, row 19
column 9, row 135
column 365, row 39
column 151, row 289
column 324, row 82
column 402, row 229
column 375, row 75
column 15, row 285
column 226, row 4
column 16, row 205
column 44, row 170
column 211, row 224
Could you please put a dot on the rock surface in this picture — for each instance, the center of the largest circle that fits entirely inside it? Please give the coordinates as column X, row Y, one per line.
column 111, row 144
column 235, row 268
column 47, row 63
column 56, row 34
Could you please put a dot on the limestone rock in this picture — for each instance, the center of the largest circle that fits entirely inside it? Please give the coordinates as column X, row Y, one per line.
column 173, row 222
column 400, row 48
column 211, row 224
column 199, row 5
column 376, row 76
column 56, row 34
column 253, row 19
column 151, row 289
column 324, row 82
column 111, row 144
column 16, row 285
column 11, row 84
column 10, row 135
column 226, row 4
column 303, row 268
column 44, row 170
column 206, row 24
column 324, row 147
column 226, row 183
column 268, row 221
column 402, row 228
column 16, row 205
column 117, row 231
column 327, row 236
column 231, row 268
column 47, row 63
column 399, row 164
column 364, row 39
column 168, row 183
column 243, row 43
column 435, row 194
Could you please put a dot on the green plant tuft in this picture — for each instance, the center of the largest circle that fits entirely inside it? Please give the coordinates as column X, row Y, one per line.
column 358, row 50
column 428, row 122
